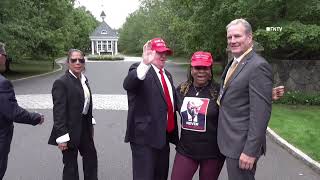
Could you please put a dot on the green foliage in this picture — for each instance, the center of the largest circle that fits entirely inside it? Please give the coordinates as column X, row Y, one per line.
column 25, row 68
column 105, row 57
column 192, row 25
column 36, row 28
column 297, row 97
column 295, row 41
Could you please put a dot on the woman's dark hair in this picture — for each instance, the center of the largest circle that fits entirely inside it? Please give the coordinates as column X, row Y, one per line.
column 72, row 51
column 185, row 86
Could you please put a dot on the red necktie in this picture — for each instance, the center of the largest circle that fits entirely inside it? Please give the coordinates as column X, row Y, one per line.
column 170, row 126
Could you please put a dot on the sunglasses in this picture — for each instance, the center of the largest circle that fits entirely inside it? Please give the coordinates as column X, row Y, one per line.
column 82, row 61
column 3, row 55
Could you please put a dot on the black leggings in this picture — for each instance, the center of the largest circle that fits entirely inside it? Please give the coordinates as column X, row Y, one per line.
column 185, row 167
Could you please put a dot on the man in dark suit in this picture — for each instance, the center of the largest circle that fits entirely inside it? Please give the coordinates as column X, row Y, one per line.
column 10, row 112
column 245, row 104
column 151, row 122
column 73, row 122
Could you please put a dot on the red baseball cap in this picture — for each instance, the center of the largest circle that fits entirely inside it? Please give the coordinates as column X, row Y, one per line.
column 201, row 58
column 159, row 45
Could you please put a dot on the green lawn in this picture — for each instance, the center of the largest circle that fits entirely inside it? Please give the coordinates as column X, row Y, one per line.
column 29, row 68
column 299, row 125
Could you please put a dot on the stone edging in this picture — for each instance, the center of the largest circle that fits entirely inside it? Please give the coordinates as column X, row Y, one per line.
column 44, row 74
column 294, row 151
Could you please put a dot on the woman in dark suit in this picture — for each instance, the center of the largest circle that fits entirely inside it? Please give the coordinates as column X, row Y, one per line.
column 73, row 122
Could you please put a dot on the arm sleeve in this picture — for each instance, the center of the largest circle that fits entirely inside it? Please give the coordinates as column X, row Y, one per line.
column 142, row 70
column 10, row 109
column 93, row 121
column 59, row 98
column 260, row 94
column 63, row 139
column 132, row 81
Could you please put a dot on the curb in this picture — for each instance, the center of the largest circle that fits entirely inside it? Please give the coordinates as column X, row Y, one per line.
column 297, row 153
column 44, row 74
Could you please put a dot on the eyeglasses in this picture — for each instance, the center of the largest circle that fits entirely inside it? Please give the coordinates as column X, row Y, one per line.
column 82, row 61
column 3, row 55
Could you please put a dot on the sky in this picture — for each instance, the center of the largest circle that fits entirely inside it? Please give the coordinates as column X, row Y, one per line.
column 116, row 10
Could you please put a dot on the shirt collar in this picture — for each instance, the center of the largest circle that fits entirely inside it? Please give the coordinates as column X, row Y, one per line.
column 83, row 78
column 157, row 69
column 244, row 54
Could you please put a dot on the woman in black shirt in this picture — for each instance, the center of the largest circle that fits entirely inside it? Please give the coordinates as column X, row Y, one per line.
column 199, row 121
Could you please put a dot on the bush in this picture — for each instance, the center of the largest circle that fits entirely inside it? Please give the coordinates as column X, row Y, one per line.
column 298, row 97
column 105, row 57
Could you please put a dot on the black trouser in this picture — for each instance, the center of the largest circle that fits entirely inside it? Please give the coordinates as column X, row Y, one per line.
column 149, row 163
column 89, row 157
column 5, row 141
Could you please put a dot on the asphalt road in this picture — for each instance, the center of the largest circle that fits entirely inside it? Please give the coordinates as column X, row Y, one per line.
column 31, row 158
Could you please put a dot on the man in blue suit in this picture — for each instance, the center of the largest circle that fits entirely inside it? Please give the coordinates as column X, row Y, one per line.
column 10, row 112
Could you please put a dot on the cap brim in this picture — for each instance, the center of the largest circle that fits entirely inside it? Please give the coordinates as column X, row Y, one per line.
column 200, row 64
column 166, row 50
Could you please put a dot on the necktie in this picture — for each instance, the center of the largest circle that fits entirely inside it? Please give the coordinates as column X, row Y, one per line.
column 170, row 125
column 230, row 71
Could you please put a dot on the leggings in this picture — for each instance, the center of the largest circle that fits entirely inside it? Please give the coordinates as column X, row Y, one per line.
column 184, row 168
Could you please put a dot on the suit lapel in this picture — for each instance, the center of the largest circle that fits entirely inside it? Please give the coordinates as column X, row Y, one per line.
column 78, row 86
column 156, row 79
column 223, row 76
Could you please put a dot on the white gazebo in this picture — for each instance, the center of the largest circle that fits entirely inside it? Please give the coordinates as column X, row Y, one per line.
column 104, row 40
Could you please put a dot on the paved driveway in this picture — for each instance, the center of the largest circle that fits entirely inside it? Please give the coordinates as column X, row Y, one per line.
column 32, row 159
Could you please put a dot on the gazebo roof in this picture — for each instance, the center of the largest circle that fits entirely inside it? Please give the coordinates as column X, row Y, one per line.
column 104, row 30
column 103, row 14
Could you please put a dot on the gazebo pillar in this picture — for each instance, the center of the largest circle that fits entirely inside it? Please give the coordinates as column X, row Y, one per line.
column 116, row 47
column 112, row 52
column 92, row 47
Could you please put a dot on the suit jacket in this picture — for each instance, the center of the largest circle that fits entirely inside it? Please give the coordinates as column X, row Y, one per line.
column 147, row 113
column 11, row 112
column 245, row 108
column 68, row 102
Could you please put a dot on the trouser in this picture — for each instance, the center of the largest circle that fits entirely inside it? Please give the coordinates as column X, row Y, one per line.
column 89, row 158
column 5, row 141
column 185, row 168
column 149, row 163
column 235, row 173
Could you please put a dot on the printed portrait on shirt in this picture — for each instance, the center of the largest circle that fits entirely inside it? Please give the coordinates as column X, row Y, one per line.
column 193, row 113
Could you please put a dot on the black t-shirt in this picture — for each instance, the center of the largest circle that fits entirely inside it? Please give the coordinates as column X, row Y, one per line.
column 199, row 122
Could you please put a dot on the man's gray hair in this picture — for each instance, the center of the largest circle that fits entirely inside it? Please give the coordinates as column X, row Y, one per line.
column 2, row 49
column 245, row 23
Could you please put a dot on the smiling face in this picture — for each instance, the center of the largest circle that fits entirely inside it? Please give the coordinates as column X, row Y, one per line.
column 201, row 75
column 74, row 63
column 160, row 59
column 239, row 40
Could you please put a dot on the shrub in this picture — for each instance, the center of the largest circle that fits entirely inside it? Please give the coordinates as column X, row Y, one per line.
column 105, row 57
column 298, row 97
